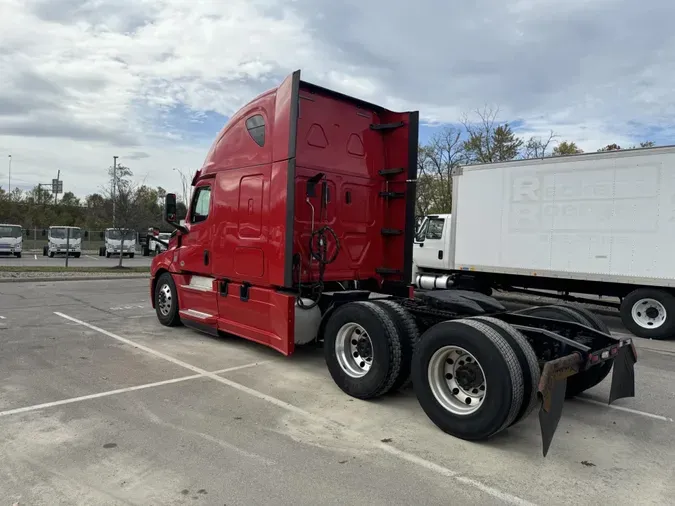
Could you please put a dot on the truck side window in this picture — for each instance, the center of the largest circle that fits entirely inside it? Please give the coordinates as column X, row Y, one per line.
column 256, row 129
column 435, row 228
column 200, row 204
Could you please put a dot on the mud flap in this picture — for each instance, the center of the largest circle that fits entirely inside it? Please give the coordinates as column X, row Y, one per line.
column 623, row 376
column 552, row 387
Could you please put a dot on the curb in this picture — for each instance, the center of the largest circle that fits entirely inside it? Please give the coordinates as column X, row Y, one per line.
column 534, row 302
column 73, row 278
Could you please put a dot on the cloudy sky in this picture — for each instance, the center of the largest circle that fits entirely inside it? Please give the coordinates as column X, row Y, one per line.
column 152, row 81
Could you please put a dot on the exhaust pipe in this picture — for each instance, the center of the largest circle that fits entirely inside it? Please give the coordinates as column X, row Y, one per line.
column 432, row 282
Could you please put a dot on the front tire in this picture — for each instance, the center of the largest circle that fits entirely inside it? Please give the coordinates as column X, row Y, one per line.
column 362, row 349
column 166, row 301
column 77, row 255
column 51, row 254
column 649, row 313
column 467, row 379
column 17, row 255
column 131, row 255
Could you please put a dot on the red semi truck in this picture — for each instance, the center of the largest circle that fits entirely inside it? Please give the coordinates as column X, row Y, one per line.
column 300, row 230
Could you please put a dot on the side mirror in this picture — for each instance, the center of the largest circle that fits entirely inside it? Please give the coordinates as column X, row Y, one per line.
column 86, row 234
column 27, row 233
column 44, row 232
column 101, row 234
column 170, row 208
column 170, row 212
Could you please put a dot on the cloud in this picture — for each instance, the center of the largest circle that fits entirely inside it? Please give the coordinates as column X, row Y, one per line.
column 152, row 81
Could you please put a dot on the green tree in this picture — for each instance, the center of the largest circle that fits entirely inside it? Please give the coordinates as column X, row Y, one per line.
column 566, row 148
column 610, row 147
column 69, row 199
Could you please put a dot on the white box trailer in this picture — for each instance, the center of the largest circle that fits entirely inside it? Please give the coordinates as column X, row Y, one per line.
column 598, row 223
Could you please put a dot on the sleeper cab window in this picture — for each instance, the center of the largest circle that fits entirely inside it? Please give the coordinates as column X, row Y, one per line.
column 256, row 129
column 201, row 201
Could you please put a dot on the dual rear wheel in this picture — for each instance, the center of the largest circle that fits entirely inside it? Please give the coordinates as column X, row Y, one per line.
column 473, row 377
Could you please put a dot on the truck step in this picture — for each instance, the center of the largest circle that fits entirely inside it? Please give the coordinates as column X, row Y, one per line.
column 386, row 271
column 391, row 231
column 392, row 195
column 391, row 172
column 386, row 126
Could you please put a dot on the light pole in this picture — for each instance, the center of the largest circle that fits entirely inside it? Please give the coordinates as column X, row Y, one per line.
column 114, row 186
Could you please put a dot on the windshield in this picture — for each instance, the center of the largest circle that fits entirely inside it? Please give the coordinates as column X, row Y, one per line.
column 6, row 231
column 60, row 233
column 129, row 235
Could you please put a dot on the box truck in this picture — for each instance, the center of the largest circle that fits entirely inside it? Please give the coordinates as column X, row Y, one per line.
column 11, row 239
column 300, row 229
column 118, row 242
column 63, row 240
column 594, row 224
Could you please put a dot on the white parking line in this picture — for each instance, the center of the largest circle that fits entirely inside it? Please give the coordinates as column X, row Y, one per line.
column 89, row 256
column 408, row 457
column 44, row 405
column 2, row 317
column 627, row 410
column 35, row 257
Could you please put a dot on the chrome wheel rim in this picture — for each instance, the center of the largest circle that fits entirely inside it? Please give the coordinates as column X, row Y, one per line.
column 457, row 380
column 649, row 313
column 354, row 350
column 164, row 299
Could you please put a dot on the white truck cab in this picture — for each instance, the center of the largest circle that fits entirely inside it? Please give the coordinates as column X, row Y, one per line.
column 11, row 239
column 115, row 245
column 63, row 240
column 431, row 252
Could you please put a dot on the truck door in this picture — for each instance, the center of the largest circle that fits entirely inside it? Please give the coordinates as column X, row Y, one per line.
column 430, row 243
column 196, row 291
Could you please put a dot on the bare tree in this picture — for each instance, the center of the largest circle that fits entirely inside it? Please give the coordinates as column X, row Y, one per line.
column 537, row 147
column 185, row 186
column 435, row 163
column 489, row 141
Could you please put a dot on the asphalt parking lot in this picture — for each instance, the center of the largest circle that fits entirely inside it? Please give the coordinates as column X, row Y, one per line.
column 85, row 260
column 99, row 404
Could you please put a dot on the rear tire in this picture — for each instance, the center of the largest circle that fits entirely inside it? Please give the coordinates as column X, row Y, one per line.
column 528, row 363
column 44, row 251
column 362, row 348
column 166, row 301
column 131, row 255
column 107, row 254
column 17, row 255
column 101, row 251
column 480, row 353
column 77, row 255
column 409, row 335
column 595, row 375
column 51, row 254
column 649, row 313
